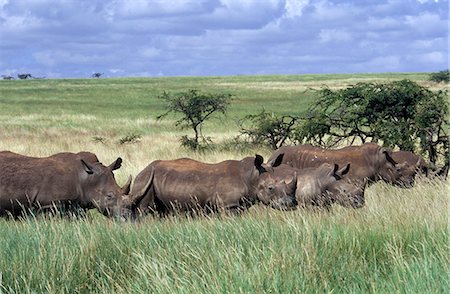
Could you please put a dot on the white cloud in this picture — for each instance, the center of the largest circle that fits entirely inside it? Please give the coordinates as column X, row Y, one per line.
column 424, row 44
column 433, row 57
column 425, row 1
column 389, row 63
column 327, row 11
column 425, row 22
column 334, row 35
column 45, row 58
column 294, row 8
column 3, row 3
column 383, row 23
column 20, row 22
column 116, row 70
column 149, row 52
column 52, row 58
column 154, row 8
column 248, row 4
column 243, row 14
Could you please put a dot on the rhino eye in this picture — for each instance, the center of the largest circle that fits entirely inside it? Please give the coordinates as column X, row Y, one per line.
column 110, row 195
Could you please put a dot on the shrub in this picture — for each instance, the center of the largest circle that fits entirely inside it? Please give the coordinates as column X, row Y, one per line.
column 442, row 76
column 131, row 138
column 98, row 139
column 268, row 128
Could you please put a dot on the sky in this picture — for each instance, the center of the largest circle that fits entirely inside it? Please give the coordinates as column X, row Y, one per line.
column 134, row 38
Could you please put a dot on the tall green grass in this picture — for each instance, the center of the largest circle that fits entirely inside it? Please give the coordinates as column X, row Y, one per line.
column 397, row 244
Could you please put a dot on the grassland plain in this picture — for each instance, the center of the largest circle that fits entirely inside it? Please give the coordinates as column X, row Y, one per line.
column 397, row 243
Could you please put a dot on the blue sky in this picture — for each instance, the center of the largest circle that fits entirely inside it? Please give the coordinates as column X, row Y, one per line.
column 221, row 37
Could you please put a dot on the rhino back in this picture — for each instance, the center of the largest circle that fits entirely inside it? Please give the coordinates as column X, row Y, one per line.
column 34, row 181
column 306, row 156
column 188, row 182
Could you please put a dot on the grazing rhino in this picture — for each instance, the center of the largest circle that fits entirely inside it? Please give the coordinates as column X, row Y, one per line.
column 414, row 163
column 417, row 165
column 65, row 181
column 315, row 186
column 370, row 162
column 188, row 185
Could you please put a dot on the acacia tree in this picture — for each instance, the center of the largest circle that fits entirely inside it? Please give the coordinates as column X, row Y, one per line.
column 400, row 113
column 432, row 127
column 195, row 108
column 268, row 128
column 24, row 76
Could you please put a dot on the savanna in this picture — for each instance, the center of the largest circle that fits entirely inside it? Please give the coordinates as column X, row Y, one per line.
column 398, row 242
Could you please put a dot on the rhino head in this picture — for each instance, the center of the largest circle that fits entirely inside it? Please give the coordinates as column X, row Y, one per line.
column 99, row 187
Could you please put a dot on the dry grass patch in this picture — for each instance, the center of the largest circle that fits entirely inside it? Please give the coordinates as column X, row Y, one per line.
column 302, row 86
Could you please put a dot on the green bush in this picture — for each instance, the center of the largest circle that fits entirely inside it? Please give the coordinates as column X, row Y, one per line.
column 442, row 76
column 268, row 128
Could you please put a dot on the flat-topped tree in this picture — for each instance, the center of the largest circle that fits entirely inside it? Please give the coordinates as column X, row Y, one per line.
column 195, row 108
column 24, row 76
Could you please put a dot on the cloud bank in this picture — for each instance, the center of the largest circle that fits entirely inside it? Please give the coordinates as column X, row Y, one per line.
column 221, row 37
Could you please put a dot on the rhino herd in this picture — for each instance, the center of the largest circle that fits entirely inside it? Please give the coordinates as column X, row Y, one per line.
column 293, row 176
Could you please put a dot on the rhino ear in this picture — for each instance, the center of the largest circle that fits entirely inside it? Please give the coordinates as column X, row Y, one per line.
column 387, row 153
column 259, row 160
column 126, row 187
column 343, row 171
column 336, row 168
column 331, row 170
column 87, row 167
column 277, row 161
column 116, row 164
column 141, row 188
column 293, row 183
column 339, row 173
